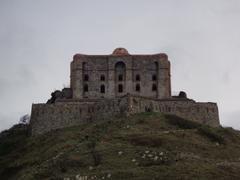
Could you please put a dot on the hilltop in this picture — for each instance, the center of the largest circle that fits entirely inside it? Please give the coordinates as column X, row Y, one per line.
column 144, row 146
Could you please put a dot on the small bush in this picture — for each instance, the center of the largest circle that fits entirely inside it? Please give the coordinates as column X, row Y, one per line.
column 140, row 140
column 206, row 131
column 211, row 134
column 12, row 138
column 181, row 123
column 8, row 172
column 95, row 154
column 97, row 158
column 230, row 133
column 141, row 121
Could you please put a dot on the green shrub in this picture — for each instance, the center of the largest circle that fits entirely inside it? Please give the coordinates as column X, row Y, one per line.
column 204, row 130
column 12, row 138
column 8, row 172
column 180, row 122
column 230, row 133
column 142, row 140
column 97, row 158
column 211, row 134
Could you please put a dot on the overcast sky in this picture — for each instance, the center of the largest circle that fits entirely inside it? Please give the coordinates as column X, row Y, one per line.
column 39, row 38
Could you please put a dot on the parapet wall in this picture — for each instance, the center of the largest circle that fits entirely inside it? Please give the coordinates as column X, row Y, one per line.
column 205, row 113
column 47, row 117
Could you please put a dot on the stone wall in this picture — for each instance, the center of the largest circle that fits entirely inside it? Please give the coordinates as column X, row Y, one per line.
column 46, row 117
column 205, row 113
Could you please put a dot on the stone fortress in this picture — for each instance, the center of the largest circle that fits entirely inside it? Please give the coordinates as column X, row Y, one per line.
column 104, row 86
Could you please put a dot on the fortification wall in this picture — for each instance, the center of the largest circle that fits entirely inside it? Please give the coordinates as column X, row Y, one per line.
column 205, row 113
column 47, row 117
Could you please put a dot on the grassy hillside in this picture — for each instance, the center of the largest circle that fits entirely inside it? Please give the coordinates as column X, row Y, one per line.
column 146, row 146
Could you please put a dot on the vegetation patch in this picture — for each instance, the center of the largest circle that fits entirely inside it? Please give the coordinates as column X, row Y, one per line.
column 180, row 122
column 12, row 139
column 145, row 140
column 211, row 134
column 142, row 146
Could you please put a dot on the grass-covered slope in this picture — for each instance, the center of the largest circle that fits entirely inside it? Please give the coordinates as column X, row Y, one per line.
column 146, row 146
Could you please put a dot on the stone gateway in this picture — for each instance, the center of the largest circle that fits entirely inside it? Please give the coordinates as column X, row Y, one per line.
column 102, row 86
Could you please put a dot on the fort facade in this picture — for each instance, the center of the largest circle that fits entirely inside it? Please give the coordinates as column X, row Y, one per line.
column 104, row 86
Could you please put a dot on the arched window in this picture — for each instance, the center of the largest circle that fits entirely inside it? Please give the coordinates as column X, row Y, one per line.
column 102, row 78
column 85, row 88
column 154, row 87
column 154, row 77
column 138, row 87
column 120, row 88
column 120, row 65
column 86, row 77
column 120, row 77
column 137, row 77
column 102, row 89
column 120, row 71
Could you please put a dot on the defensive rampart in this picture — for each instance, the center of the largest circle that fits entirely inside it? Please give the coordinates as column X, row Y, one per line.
column 47, row 117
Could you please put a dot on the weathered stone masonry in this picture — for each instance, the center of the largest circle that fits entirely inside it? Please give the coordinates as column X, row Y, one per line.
column 117, row 84
column 46, row 117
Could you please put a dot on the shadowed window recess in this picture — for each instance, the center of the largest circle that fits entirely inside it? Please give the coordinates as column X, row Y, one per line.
column 154, row 87
column 85, row 88
column 120, row 88
column 154, row 77
column 102, row 89
column 102, row 78
column 137, row 77
column 86, row 77
column 138, row 87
